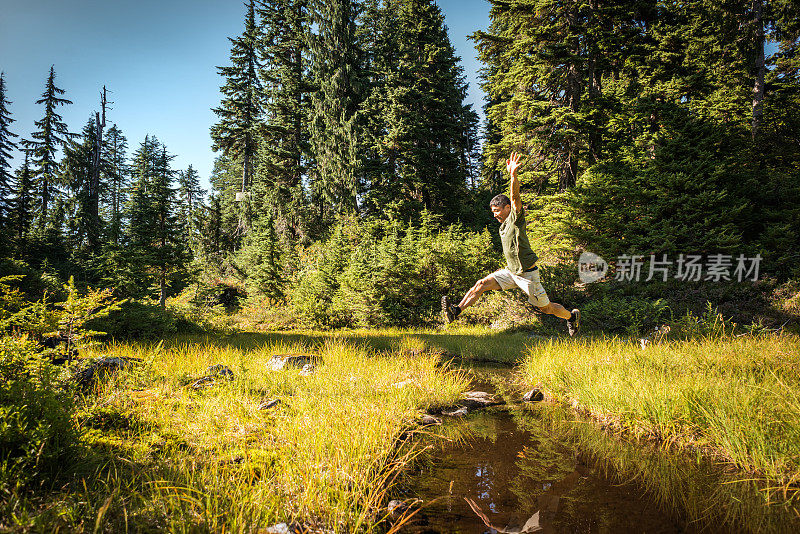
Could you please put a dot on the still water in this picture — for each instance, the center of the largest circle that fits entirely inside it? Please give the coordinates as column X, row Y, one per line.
column 502, row 471
column 505, row 478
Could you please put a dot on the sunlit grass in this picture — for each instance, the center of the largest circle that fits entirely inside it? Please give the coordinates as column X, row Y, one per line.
column 167, row 457
column 734, row 399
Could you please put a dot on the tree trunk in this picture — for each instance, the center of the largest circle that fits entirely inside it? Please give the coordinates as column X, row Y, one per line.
column 162, row 296
column 758, row 87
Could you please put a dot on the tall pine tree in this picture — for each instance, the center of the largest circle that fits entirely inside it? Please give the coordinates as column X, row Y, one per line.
column 285, row 152
column 157, row 253
column 23, row 203
column 416, row 116
column 7, row 144
column 240, row 113
column 115, row 147
column 337, row 68
column 52, row 134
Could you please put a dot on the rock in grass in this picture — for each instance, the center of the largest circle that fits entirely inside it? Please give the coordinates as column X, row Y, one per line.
column 428, row 420
column 204, row 382
column 266, row 405
column 220, row 371
column 100, row 369
column 284, row 361
column 534, row 395
column 294, row 528
column 475, row 400
column 213, row 373
column 459, row 411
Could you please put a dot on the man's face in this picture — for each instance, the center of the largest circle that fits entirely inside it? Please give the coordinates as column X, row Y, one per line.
column 501, row 214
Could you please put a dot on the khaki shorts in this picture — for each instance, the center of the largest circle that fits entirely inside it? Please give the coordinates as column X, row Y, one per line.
column 527, row 282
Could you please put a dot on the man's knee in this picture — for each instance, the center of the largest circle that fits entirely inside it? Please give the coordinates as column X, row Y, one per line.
column 488, row 284
column 547, row 309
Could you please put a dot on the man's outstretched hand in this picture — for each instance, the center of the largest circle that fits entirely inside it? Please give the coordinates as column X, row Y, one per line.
column 512, row 163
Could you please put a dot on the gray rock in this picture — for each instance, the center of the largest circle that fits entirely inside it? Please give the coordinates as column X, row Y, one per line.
column 534, row 395
column 280, row 528
column 204, row 382
column 100, row 369
column 284, row 361
column 308, row 369
column 428, row 420
column 475, row 400
column 220, row 370
column 458, row 412
column 295, row 528
column 266, row 405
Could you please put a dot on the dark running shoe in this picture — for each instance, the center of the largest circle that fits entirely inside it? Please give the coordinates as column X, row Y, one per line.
column 574, row 323
column 449, row 311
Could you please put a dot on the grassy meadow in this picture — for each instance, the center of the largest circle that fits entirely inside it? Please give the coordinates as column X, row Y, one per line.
column 155, row 454
column 732, row 399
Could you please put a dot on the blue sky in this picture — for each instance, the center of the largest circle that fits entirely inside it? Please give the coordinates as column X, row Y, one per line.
column 157, row 58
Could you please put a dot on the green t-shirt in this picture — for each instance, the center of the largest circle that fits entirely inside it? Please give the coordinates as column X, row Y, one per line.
column 516, row 248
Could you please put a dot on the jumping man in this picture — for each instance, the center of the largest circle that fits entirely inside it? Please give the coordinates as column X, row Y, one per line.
column 522, row 271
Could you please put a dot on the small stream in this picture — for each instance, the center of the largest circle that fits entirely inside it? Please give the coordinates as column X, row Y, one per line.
column 500, row 470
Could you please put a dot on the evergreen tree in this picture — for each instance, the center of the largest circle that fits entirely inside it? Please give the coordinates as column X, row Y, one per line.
column 23, row 203
column 156, row 252
column 190, row 204
column 225, row 184
column 427, row 135
column 240, row 112
column 52, row 133
column 284, row 153
column 77, row 169
column 337, row 73
column 115, row 146
column 6, row 146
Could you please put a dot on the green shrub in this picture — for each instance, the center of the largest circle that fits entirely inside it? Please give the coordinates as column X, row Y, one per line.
column 624, row 315
column 36, row 430
column 136, row 320
column 377, row 273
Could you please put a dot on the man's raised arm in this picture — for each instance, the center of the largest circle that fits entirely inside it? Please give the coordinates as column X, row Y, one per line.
column 512, row 164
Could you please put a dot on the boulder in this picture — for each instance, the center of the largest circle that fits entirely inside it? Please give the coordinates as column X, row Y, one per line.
column 294, row 528
column 459, row 411
column 428, row 420
column 220, row 371
column 213, row 373
column 204, row 382
column 284, row 361
column 100, row 369
column 475, row 400
column 534, row 395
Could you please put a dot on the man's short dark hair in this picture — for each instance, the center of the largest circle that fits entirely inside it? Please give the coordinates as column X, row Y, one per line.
column 501, row 201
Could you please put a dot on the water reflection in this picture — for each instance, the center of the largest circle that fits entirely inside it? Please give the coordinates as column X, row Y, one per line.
column 503, row 478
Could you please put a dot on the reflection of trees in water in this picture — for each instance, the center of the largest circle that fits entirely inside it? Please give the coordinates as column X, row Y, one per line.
column 707, row 495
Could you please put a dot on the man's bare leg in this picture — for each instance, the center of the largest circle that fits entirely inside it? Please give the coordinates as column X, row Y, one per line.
column 481, row 286
column 556, row 309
